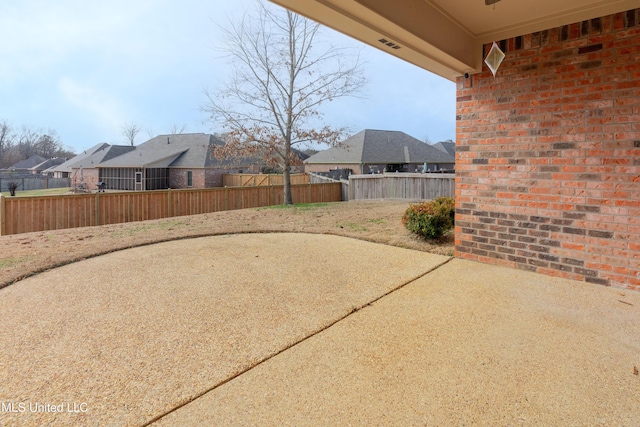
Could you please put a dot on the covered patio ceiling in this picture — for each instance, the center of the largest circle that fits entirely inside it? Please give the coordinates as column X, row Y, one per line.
column 446, row 36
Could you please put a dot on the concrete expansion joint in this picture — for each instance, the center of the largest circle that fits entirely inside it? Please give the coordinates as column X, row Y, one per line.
column 351, row 312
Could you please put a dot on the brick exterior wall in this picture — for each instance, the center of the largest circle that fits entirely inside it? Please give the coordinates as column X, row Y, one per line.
column 548, row 154
column 90, row 176
column 178, row 178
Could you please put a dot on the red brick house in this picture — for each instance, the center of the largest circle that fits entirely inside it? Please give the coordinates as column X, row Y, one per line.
column 547, row 151
column 169, row 161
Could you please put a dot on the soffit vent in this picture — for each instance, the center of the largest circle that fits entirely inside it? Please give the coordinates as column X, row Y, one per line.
column 389, row 43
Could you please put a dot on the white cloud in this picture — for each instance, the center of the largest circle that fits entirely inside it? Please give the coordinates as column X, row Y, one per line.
column 104, row 109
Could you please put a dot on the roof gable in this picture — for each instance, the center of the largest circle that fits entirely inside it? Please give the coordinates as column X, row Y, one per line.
column 48, row 164
column 104, row 153
column 68, row 165
column 448, row 147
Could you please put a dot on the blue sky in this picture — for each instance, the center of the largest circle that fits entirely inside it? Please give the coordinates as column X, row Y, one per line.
column 84, row 68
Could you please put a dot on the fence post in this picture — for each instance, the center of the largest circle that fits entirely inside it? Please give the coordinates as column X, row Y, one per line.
column 169, row 207
column 310, row 200
column 3, row 225
column 352, row 188
column 226, row 198
column 98, row 208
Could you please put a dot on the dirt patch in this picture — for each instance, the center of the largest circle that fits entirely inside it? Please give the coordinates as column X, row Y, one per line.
column 22, row 255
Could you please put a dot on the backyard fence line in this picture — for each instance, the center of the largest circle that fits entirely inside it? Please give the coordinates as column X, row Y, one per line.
column 42, row 213
column 319, row 179
column 344, row 189
column 33, row 182
column 408, row 186
column 257, row 180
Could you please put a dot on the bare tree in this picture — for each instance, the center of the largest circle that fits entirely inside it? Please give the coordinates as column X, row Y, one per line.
column 130, row 131
column 48, row 145
column 281, row 75
column 27, row 141
column 176, row 129
column 7, row 138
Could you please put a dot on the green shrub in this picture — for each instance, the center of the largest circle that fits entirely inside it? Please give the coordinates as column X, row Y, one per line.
column 430, row 219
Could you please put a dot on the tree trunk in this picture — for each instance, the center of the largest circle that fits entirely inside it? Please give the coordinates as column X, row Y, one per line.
column 288, row 199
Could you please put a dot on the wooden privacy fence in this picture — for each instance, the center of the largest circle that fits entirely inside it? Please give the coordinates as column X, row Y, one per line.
column 318, row 179
column 41, row 213
column 256, row 180
column 411, row 186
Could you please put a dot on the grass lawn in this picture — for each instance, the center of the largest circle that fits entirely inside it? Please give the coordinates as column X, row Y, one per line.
column 47, row 192
column 297, row 206
column 375, row 221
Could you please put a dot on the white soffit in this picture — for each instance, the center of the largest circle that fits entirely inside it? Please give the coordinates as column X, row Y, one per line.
column 446, row 36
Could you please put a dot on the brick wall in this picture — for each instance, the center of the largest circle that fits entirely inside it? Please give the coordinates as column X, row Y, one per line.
column 178, row 178
column 90, row 176
column 548, row 154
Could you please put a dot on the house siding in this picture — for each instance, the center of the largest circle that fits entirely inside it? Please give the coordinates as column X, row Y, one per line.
column 548, row 169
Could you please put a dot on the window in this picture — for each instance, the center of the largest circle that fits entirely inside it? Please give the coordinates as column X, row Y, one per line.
column 189, row 178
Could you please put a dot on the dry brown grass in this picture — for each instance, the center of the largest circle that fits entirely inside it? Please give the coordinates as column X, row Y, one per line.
column 23, row 255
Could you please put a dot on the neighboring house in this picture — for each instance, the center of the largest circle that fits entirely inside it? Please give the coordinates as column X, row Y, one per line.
column 24, row 166
column 169, row 161
column 42, row 168
column 166, row 161
column 448, row 147
column 375, row 151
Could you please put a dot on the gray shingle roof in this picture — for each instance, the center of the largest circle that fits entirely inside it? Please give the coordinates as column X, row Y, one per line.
column 381, row 146
column 190, row 150
column 48, row 164
column 104, row 153
column 66, row 166
column 28, row 163
column 448, row 147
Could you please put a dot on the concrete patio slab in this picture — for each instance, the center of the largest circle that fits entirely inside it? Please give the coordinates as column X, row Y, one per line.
column 124, row 338
column 468, row 344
